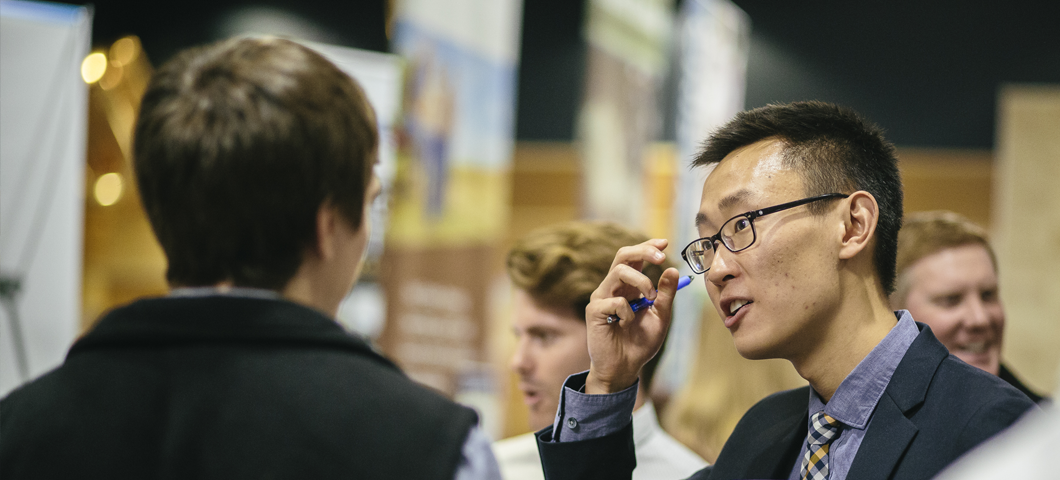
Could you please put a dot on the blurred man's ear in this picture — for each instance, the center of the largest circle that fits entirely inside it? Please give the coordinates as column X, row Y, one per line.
column 327, row 219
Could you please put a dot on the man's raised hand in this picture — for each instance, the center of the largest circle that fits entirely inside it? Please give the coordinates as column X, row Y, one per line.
column 619, row 350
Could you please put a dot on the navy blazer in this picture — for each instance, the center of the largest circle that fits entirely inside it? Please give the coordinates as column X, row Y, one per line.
column 935, row 408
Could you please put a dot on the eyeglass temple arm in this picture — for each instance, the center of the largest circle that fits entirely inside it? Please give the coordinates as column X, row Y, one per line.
column 784, row 206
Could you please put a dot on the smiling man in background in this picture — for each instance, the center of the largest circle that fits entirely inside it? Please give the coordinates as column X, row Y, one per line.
column 554, row 271
column 947, row 278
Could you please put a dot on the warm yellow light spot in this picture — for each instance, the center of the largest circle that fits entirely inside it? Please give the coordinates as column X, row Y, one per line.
column 93, row 67
column 112, row 77
column 125, row 50
column 108, row 188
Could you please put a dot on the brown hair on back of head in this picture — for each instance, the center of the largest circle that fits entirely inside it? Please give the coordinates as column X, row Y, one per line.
column 237, row 146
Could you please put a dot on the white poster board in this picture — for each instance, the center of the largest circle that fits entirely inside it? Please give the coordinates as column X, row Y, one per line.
column 43, row 126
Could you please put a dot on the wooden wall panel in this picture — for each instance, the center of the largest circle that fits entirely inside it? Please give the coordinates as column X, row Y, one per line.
column 941, row 179
column 1027, row 229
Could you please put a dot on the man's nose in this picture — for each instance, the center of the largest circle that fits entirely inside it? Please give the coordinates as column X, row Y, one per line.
column 722, row 267
column 976, row 313
column 520, row 362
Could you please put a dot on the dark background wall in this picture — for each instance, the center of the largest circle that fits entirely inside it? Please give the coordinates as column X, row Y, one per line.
column 165, row 27
column 928, row 71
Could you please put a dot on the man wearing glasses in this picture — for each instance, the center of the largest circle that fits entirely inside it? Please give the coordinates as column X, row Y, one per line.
column 800, row 220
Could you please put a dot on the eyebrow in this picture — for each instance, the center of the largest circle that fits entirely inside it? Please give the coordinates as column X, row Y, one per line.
column 701, row 220
column 538, row 330
column 725, row 203
column 733, row 199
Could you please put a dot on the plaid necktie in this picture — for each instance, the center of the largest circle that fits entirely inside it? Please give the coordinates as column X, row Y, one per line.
column 815, row 462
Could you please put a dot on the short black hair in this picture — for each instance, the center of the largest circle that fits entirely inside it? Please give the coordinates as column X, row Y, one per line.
column 834, row 149
column 237, row 146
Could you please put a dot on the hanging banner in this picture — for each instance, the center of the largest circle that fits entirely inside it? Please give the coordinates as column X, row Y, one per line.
column 713, row 41
column 451, row 194
column 625, row 64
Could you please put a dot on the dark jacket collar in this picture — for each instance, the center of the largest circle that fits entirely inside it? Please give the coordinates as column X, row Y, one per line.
column 892, row 431
column 917, row 369
column 169, row 321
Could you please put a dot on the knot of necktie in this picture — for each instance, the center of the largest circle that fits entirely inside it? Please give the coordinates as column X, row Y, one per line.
column 823, row 431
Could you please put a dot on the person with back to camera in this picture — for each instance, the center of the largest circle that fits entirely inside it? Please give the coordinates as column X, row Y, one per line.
column 800, row 219
column 254, row 158
column 947, row 278
column 554, row 270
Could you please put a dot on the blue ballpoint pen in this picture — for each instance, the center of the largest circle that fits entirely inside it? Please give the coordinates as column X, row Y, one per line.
column 642, row 303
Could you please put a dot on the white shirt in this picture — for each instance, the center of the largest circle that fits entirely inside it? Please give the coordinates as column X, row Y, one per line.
column 659, row 456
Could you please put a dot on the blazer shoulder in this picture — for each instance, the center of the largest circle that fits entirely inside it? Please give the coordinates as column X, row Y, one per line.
column 784, row 404
column 777, row 409
column 938, row 388
column 954, row 374
column 989, row 404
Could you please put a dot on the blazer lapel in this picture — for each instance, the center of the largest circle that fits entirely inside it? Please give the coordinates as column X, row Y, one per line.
column 891, row 431
column 885, row 442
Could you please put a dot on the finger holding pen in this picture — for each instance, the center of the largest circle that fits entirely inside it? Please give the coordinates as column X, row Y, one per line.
column 625, row 278
column 643, row 302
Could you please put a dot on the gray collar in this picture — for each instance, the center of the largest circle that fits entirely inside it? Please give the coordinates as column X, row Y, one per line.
column 240, row 292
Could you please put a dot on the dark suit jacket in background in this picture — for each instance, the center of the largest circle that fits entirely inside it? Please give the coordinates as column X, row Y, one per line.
column 1010, row 377
column 935, row 408
column 223, row 387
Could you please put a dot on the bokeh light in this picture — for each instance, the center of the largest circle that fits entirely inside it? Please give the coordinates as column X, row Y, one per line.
column 108, row 188
column 125, row 50
column 93, row 67
column 112, row 77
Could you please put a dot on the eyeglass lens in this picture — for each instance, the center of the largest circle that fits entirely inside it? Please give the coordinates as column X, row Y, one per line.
column 737, row 234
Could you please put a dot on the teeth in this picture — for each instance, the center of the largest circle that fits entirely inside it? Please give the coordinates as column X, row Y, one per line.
column 735, row 305
column 978, row 347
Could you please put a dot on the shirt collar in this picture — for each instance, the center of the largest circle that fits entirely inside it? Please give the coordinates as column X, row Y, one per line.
column 857, row 396
column 240, row 292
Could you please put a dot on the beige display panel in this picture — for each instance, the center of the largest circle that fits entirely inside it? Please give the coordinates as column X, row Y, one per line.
column 1027, row 229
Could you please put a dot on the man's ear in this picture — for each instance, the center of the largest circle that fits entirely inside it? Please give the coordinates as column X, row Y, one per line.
column 860, row 224
column 327, row 216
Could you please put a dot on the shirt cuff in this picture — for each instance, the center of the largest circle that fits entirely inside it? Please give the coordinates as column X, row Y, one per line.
column 582, row 416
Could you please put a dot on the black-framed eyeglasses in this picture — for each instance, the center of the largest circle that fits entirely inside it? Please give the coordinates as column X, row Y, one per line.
column 738, row 233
